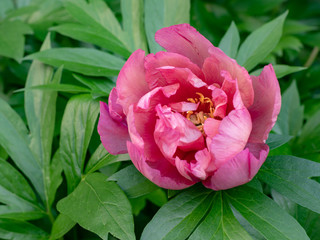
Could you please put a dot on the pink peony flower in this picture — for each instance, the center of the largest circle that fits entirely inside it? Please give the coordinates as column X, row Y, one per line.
column 190, row 114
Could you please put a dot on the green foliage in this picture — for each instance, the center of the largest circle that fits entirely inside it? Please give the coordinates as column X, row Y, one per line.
column 57, row 181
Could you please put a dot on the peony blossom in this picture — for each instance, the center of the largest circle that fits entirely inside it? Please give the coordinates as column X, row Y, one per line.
column 190, row 114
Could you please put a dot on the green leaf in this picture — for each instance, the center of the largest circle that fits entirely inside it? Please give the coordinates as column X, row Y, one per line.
column 290, row 117
column 284, row 174
column 5, row 5
column 281, row 70
column 40, row 108
column 164, row 13
column 220, row 223
column 132, row 182
column 52, row 87
column 294, row 27
column 101, row 158
column 15, row 140
column 99, row 206
column 230, row 42
column 309, row 142
column 99, row 16
column 133, row 24
column 76, row 129
column 177, row 218
column 275, row 140
column 264, row 214
column 61, row 226
column 19, row 230
column 260, row 43
column 12, row 38
column 90, row 34
column 87, row 61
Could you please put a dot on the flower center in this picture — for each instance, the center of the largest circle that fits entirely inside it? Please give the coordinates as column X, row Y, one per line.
column 205, row 110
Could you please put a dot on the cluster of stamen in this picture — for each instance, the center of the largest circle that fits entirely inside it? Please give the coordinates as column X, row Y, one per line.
column 204, row 111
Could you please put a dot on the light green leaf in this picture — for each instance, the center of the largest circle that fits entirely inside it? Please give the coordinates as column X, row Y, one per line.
column 101, row 158
column 15, row 140
column 309, row 141
column 5, row 5
column 101, row 207
column 132, row 182
column 12, row 38
column 180, row 216
column 230, row 42
column 281, row 70
column 164, row 13
column 19, row 230
column 260, row 43
column 284, row 174
column 290, row 117
column 90, row 34
column 61, row 226
column 87, row 61
column 265, row 215
column 275, row 140
column 220, row 223
column 52, row 87
column 76, row 129
column 133, row 24
column 294, row 27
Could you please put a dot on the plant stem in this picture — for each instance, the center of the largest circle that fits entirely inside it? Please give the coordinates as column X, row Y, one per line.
column 312, row 57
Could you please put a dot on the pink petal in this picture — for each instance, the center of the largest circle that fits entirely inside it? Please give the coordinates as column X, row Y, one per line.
column 131, row 83
column 113, row 133
column 211, row 127
column 266, row 106
column 233, row 135
column 185, row 40
column 219, row 61
column 162, row 59
column 220, row 101
column 159, row 171
column 240, row 169
column 203, row 164
column 173, row 131
column 115, row 109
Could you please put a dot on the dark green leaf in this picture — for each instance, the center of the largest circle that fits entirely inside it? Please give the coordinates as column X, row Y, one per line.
column 283, row 173
column 52, row 87
column 291, row 114
column 15, row 140
column 265, row 215
column 220, row 223
column 260, row 43
column 61, row 226
column 12, row 38
column 294, row 27
column 275, row 140
column 177, row 218
column 230, row 42
column 97, row 36
column 19, row 230
column 101, row 207
column 159, row 14
column 87, row 61
column 76, row 129
column 132, row 182
column 101, row 158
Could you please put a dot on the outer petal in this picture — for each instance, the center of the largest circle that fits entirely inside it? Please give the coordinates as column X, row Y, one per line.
column 115, row 109
column 185, row 40
column 131, row 83
column 240, row 169
column 162, row 59
column 219, row 61
column 234, row 131
column 113, row 133
column 266, row 106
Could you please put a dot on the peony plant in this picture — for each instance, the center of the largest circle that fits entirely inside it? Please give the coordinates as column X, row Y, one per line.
column 190, row 114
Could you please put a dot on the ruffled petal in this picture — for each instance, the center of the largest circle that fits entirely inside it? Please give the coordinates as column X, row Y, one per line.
column 240, row 169
column 219, row 61
column 159, row 171
column 113, row 133
column 203, row 165
column 165, row 59
column 185, row 40
column 233, row 135
column 115, row 109
column 131, row 82
column 266, row 106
